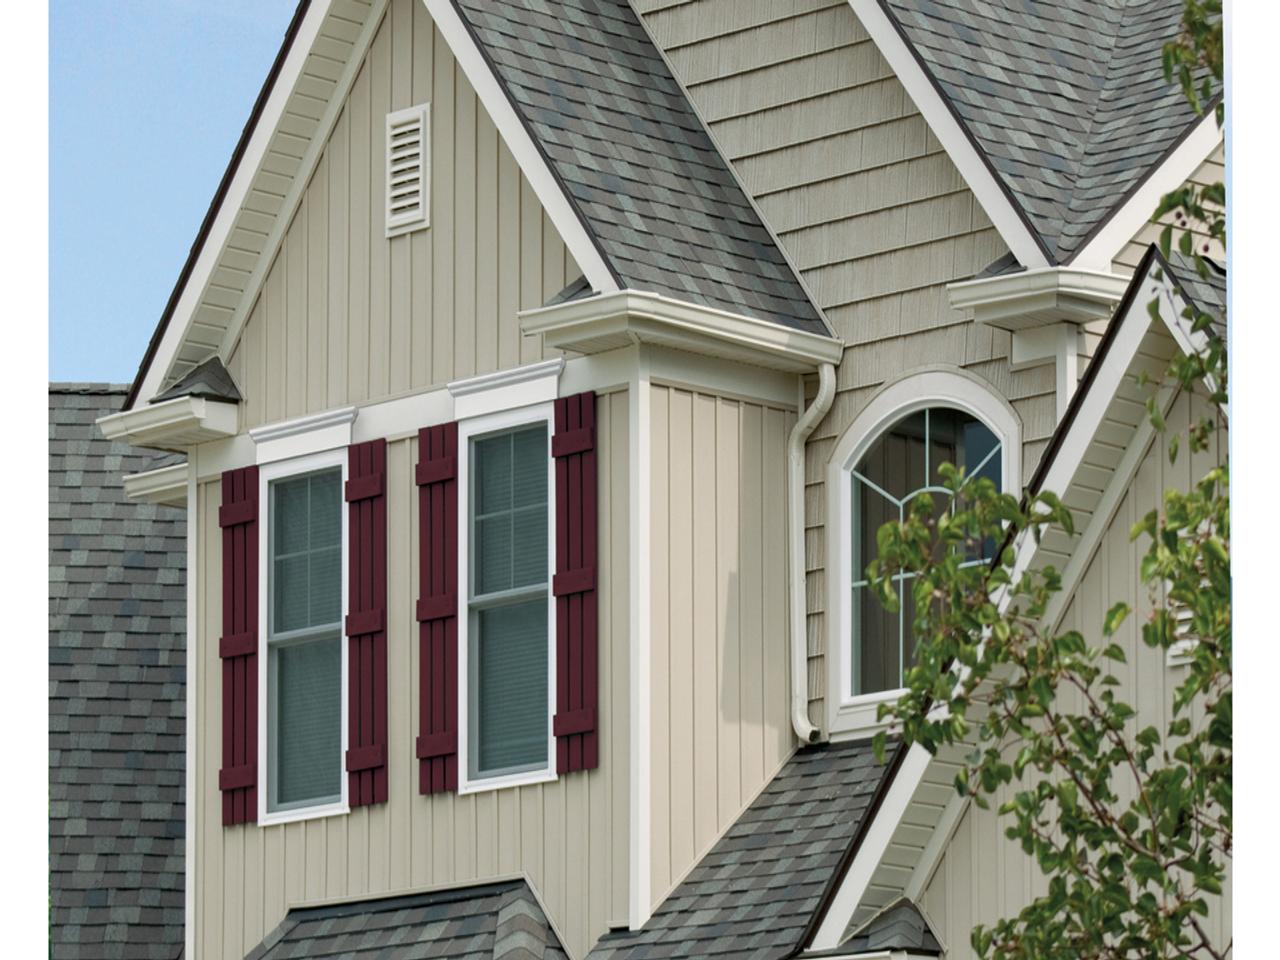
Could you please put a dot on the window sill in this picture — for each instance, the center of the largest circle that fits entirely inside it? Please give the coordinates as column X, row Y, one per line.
column 303, row 813
column 511, row 780
column 855, row 718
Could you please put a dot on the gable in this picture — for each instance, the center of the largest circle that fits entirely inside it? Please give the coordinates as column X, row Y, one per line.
column 346, row 314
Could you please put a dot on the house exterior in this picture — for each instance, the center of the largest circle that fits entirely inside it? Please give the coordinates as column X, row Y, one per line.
column 543, row 371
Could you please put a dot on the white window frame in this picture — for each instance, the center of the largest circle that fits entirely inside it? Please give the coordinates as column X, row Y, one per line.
column 267, row 473
column 848, row 715
column 467, row 429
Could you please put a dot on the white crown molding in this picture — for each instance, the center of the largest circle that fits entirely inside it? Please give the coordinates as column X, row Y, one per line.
column 167, row 485
column 506, row 389
column 172, row 425
column 313, row 433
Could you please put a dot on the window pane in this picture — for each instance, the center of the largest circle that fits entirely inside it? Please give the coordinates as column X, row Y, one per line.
column 308, row 715
column 289, row 515
column 510, row 510
column 326, row 509
column 290, row 593
column 326, row 586
column 492, row 465
column 530, row 459
column 493, row 544
column 306, row 563
column 509, row 713
column 529, row 552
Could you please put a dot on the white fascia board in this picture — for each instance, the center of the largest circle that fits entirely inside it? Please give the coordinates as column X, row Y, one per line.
column 527, row 155
column 1172, row 172
column 995, row 202
column 641, row 317
column 871, row 850
column 167, row 486
column 301, row 179
column 237, row 192
column 1039, row 297
column 172, row 425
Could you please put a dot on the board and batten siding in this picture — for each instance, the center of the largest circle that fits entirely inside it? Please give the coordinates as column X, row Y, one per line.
column 866, row 203
column 346, row 315
column 719, row 679
column 569, row 836
column 983, row 876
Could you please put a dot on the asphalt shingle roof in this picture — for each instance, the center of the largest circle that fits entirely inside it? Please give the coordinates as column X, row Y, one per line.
column 210, row 379
column 1067, row 101
column 117, row 706
column 1208, row 293
column 899, row 926
column 634, row 158
column 755, row 892
column 494, row 921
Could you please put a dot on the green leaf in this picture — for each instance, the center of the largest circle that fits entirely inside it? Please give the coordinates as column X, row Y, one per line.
column 1115, row 616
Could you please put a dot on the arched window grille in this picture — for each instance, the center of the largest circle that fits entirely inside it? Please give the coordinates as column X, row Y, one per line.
column 900, row 465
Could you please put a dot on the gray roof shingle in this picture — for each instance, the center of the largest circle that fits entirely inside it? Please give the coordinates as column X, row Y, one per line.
column 1208, row 293
column 117, row 706
column 899, row 926
column 634, row 158
column 754, row 894
column 493, row 921
column 1067, row 101
column 210, row 379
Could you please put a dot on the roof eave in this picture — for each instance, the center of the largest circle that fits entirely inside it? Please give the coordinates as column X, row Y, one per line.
column 167, row 485
column 174, row 424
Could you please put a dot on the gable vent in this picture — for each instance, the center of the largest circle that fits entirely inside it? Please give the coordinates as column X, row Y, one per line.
column 408, row 169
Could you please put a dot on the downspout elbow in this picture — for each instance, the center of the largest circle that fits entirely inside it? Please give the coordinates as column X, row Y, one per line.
column 800, row 433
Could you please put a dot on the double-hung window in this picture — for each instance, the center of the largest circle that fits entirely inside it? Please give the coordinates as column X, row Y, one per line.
column 505, row 557
column 305, row 657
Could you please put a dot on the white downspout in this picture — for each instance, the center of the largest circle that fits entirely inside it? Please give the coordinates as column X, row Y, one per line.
column 805, row 730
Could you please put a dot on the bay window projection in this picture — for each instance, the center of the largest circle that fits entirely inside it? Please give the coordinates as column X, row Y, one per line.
column 304, row 641
column 901, row 464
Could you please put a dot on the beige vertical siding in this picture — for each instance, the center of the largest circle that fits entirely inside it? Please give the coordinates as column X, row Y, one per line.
column 864, row 200
column 569, row 836
column 346, row 315
column 720, row 726
column 983, row 876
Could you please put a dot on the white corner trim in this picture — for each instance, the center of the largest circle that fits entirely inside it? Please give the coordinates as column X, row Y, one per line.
column 194, row 800
column 640, row 509
column 995, row 202
column 302, row 178
column 172, row 425
column 168, row 486
column 606, row 321
column 506, row 389
column 528, row 157
column 870, row 851
column 1039, row 297
column 237, row 192
column 313, row 433
column 1172, row 173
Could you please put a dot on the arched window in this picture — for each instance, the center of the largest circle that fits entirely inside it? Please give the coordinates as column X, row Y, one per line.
column 901, row 464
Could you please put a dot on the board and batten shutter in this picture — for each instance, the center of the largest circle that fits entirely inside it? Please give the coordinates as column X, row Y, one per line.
column 238, row 646
column 408, row 198
column 366, row 623
column 437, row 610
column 573, row 445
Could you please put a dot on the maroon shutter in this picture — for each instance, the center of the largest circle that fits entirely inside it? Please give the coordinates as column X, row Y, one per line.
column 437, row 746
column 238, row 646
column 574, row 586
column 366, row 623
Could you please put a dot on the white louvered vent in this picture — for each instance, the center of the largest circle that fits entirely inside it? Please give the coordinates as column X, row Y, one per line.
column 408, row 169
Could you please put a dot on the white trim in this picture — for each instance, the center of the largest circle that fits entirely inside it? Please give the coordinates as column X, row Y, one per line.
column 939, row 840
column 929, row 387
column 192, row 756
column 167, row 485
column 995, row 202
column 1181, row 652
column 1174, row 171
column 488, row 393
column 276, row 471
column 870, row 851
column 640, row 509
column 606, row 321
column 1039, row 297
column 237, row 191
column 553, row 199
column 468, row 428
column 301, row 436
column 173, row 424
column 302, row 178
column 419, row 218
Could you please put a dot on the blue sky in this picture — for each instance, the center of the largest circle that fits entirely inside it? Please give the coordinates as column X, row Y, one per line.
column 146, row 101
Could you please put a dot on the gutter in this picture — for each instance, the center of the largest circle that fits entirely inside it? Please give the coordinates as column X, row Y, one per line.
column 805, row 426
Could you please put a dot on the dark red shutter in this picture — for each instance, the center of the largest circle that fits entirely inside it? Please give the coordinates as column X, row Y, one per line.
column 238, row 646
column 574, row 585
column 437, row 474
column 367, row 623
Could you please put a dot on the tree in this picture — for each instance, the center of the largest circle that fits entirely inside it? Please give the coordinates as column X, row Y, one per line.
column 1131, row 826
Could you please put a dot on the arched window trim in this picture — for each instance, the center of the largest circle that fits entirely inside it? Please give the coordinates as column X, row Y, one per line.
column 915, row 391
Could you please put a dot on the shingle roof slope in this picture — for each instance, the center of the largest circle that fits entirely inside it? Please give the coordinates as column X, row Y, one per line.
column 116, row 693
column 899, row 926
column 495, row 921
column 755, row 892
column 210, row 379
column 1067, row 101
column 634, row 158
column 1209, row 292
